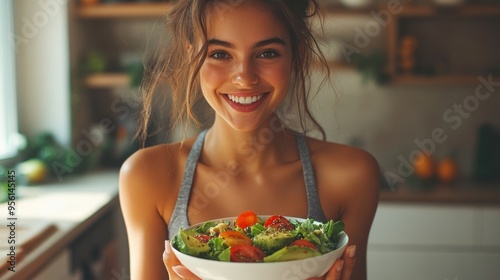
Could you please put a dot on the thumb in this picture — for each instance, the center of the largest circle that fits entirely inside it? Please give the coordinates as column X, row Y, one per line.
column 174, row 267
column 169, row 259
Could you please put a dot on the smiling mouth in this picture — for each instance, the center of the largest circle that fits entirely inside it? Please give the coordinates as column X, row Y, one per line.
column 245, row 100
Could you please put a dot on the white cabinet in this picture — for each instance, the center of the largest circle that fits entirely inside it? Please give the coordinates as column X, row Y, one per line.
column 419, row 241
column 491, row 233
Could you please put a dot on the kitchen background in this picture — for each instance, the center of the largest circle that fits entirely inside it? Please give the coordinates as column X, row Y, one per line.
column 408, row 77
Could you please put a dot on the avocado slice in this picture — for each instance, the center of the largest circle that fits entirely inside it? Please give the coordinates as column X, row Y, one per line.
column 225, row 256
column 186, row 243
column 272, row 240
column 291, row 253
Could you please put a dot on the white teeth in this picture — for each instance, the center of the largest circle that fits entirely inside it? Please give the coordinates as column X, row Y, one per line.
column 245, row 100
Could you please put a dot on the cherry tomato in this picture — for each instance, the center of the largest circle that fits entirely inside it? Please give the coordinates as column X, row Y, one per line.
column 246, row 219
column 279, row 222
column 202, row 238
column 246, row 253
column 304, row 243
column 232, row 238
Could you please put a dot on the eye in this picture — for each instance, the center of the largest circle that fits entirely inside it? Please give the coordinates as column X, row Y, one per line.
column 269, row 54
column 219, row 55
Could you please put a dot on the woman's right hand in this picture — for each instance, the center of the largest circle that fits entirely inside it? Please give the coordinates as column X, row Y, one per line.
column 174, row 267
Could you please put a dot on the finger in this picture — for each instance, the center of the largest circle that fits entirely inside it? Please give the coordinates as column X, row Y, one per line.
column 349, row 258
column 335, row 272
column 170, row 260
column 342, row 268
column 174, row 267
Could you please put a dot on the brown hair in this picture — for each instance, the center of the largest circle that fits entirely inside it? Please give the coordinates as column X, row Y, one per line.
column 180, row 65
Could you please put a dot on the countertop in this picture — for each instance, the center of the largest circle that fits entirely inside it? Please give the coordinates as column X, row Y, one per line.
column 69, row 207
column 468, row 193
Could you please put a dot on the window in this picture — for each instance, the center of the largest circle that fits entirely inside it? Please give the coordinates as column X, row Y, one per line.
column 8, row 109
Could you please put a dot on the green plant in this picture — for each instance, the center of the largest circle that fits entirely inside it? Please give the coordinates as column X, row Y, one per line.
column 372, row 66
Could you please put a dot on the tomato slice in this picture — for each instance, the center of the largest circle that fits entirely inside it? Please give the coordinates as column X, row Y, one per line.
column 246, row 219
column 279, row 222
column 246, row 253
column 204, row 238
column 304, row 243
column 232, row 237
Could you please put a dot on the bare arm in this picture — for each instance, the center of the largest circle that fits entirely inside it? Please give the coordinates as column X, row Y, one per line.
column 358, row 209
column 146, row 228
column 349, row 183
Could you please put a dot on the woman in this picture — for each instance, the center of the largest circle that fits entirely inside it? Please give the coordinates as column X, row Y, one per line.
column 247, row 59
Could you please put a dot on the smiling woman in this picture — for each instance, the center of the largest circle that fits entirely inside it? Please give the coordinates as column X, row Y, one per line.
column 8, row 119
column 244, row 59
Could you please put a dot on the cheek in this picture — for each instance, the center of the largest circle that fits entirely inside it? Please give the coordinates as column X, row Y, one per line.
column 279, row 75
column 212, row 76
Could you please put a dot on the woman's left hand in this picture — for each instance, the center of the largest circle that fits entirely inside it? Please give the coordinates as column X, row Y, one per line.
column 343, row 267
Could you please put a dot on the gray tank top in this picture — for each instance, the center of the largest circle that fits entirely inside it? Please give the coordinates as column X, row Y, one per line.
column 179, row 217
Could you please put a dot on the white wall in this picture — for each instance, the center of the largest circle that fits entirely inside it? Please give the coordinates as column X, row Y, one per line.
column 41, row 40
column 387, row 120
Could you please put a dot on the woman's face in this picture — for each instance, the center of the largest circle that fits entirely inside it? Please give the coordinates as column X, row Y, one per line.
column 247, row 71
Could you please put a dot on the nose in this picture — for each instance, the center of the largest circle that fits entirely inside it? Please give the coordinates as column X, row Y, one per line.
column 245, row 74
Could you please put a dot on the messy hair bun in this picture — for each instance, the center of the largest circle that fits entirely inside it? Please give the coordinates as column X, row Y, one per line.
column 302, row 7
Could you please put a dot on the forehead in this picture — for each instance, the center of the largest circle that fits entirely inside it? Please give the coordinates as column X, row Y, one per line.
column 243, row 20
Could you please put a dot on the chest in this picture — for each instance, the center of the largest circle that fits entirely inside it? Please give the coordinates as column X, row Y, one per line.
column 227, row 193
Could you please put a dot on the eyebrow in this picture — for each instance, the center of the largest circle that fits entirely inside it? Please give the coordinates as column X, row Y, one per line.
column 274, row 40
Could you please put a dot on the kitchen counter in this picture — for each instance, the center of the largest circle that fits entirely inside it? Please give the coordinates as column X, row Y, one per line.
column 61, row 212
column 469, row 193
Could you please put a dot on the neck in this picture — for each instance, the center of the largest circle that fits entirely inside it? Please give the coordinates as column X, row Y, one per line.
column 251, row 150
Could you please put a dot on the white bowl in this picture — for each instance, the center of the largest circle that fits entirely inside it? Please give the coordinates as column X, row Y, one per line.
column 298, row 269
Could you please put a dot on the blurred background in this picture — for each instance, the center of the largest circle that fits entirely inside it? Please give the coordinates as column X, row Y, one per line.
column 415, row 83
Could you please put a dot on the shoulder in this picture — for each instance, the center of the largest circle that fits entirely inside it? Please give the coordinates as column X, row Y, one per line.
column 343, row 160
column 155, row 172
column 346, row 174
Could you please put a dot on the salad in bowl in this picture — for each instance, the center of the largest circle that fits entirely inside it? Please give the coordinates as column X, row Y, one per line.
column 248, row 245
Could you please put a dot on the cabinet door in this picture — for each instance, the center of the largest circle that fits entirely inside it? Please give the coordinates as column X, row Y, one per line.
column 421, row 264
column 399, row 224
column 491, row 232
column 434, row 242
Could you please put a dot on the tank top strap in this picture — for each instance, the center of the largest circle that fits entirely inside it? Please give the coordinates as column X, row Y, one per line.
column 179, row 215
column 313, row 205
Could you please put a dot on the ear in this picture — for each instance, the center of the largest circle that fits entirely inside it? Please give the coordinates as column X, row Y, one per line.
column 189, row 47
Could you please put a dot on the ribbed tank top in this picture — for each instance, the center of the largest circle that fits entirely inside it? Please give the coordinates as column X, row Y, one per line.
column 179, row 217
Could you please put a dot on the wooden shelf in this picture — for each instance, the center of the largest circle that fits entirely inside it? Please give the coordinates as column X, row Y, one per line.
column 411, row 79
column 431, row 23
column 124, row 10
column 107, row 80
column 344, row 11
column 417, row 10
column 459, row 11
